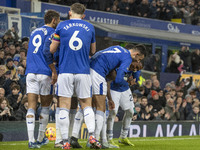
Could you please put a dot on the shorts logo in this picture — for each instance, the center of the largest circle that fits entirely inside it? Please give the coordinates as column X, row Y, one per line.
column 62, row 118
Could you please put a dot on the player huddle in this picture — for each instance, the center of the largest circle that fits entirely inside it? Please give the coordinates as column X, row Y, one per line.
column 70, row 44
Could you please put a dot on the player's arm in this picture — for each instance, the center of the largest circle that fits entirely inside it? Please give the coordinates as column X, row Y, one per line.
column 54, row 75
column 49, row 59
column 56, row 40
column 110, row 101
column 54, row 46
column 48, row 56
column 123, row 69
column 93, row 43
column 92, row 49
column 136, row 75
column 110, row 78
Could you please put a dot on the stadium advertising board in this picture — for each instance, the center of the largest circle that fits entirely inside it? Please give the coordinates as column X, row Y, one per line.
column 3, row 24
column 17, row 131
column 29, row 24
column 14, row 21
column 112, row 18
column 23, row 25
column 154, row 129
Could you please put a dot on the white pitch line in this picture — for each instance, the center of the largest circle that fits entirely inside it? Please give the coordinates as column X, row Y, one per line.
column 131, row 139
column 169, row 139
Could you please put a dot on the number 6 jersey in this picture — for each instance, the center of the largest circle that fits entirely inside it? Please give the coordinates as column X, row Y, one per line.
column 75, row 37
column 35, row 62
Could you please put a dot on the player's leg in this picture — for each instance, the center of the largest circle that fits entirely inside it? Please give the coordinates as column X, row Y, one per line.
column 76, row 129
column 111, row 118
column 72, row 113
column 100, row 112
column 89, row 119
column 103, row 136
column 46, row 97
column 44, row 119
column 83, row 87
column 33, row 91
column 65, row 90
column 58, row 142
column 65, row 103
column 99, row 86
column 126, row 102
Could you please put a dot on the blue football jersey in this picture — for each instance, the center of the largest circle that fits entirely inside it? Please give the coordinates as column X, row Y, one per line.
column 75, row 37
column 35, row 62
column 111, row 58
column 123, row 86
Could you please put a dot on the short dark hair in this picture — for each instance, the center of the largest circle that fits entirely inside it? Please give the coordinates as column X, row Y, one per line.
column 23, row 50
column 134, row 95
column 143, row 97
column 78, row 8
column 130, row 46
column 141, row 48
column 50, row 15
column 141, row 88
column 15, row 87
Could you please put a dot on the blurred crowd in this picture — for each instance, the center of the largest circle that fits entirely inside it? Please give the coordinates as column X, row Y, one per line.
column 187, row 10
column 183, row 60
column 177, row 101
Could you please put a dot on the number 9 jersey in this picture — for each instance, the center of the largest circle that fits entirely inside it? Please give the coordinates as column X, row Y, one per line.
column 35, row 58
column 75, row 37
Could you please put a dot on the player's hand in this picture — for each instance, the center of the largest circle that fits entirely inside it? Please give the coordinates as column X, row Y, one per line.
column 131, row 81
column 111, row 104
column 54, row 78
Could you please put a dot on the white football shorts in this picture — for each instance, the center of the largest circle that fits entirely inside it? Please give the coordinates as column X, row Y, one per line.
column 99, row 84
column 123, row 99
column 39, row 84
column 69, row 83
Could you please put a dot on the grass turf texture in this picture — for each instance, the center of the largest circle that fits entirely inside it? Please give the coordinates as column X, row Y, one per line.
column 150, row 143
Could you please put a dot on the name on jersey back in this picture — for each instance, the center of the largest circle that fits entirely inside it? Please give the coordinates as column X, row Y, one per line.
column 76, row 25
column 40, row 29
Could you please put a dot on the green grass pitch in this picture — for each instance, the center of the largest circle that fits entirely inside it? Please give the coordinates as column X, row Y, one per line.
column 150, row 143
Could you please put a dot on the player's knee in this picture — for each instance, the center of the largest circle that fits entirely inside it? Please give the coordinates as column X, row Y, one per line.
column 129, row 112
column 29, row 116
column 112, row 114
